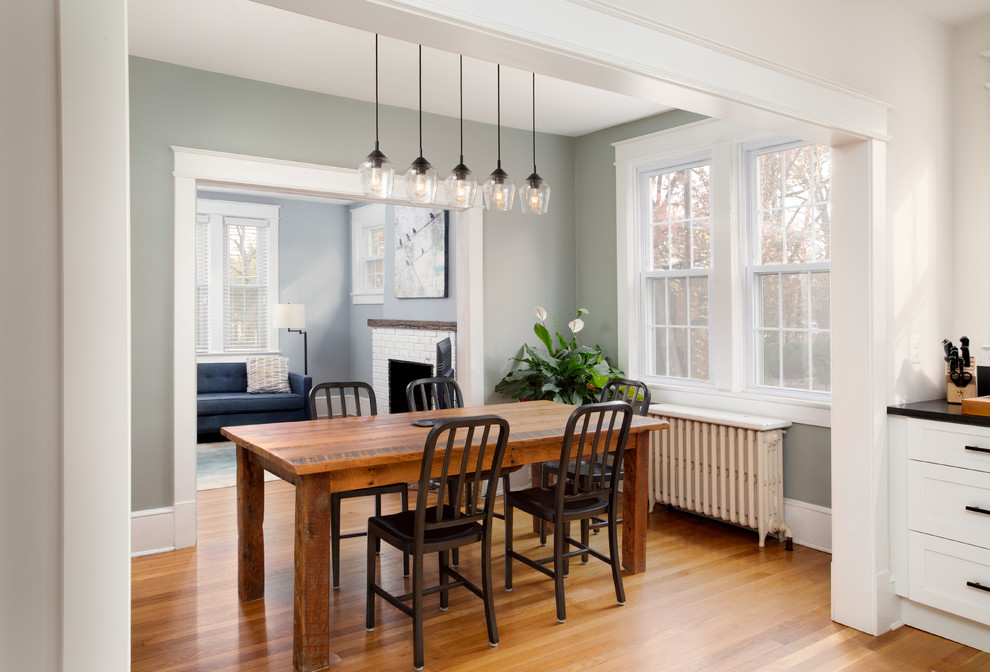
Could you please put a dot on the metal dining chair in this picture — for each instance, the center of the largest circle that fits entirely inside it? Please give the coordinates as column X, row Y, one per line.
column 593, row 432
column 464, row 448
column 353, row 398
column 635, row 393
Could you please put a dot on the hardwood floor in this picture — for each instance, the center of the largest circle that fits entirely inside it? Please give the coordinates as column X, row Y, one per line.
column 710, row 600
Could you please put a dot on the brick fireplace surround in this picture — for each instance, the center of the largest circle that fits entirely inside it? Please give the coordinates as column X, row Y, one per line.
column 408, row 341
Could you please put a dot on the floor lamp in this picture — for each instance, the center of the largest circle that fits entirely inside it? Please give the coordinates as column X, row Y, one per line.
column 292, row 316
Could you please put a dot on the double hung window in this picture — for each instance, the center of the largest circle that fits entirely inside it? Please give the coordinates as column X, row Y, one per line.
column 727, row 232
column 368, row 253
column 236, row 273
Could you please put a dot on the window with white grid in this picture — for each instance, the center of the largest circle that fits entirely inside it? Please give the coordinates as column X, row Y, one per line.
column 677, row 272
column 236, row 276
column 789, row 267
column 368, row 253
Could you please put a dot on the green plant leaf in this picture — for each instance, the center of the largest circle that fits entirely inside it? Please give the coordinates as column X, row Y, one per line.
column 544, row 335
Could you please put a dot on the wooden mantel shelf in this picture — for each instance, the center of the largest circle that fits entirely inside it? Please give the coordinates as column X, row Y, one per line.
column 413, row 324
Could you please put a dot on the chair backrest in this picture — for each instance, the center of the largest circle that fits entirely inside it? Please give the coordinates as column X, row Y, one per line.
column 633, row 392
column 457, row 451
column 365, row 404
column 427, row 394
column 594, row 434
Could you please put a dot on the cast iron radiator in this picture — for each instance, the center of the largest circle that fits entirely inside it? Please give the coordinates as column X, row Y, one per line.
column 727, row 466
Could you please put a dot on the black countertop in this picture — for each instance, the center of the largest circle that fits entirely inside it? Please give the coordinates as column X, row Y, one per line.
column 940, row 410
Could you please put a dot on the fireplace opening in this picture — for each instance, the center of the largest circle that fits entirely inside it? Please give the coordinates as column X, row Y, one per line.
column 400, row 374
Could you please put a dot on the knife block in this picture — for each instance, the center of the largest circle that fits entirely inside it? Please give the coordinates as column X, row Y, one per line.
column 955, row 394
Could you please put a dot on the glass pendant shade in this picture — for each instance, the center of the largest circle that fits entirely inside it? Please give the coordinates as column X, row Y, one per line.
column 421, row 177
column 376, row 172
column 421, row 181
column 534, row 195
column 377, row 175
column 499, row 190
column 461, row 186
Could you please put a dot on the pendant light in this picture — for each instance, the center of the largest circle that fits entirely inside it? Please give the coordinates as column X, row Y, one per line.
column 462, row 186
column 499, row 190
column 421, row 177
column 376, row 172
column 535, row 193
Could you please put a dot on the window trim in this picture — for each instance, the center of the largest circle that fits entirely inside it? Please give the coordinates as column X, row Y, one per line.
column 364, row 217
column 216, row 210
column 729, row 386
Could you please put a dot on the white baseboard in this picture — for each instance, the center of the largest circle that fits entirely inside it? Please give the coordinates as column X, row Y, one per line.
column 152, row 531
column 811, row 524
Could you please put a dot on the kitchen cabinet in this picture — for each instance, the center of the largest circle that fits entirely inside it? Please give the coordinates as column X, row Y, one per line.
column 939, row 503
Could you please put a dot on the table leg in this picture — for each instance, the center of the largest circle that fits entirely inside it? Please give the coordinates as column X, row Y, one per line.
column 250, row 537
column 311, row 607
column 635, row 485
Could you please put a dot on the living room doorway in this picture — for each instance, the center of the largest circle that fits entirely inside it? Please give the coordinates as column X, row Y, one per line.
column 195, row 169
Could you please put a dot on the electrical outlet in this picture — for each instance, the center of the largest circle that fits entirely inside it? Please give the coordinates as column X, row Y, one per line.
column 915, row 349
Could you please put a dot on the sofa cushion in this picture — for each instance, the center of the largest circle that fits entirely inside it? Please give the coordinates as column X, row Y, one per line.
column 267, row 374
column 221, row 377
column 212, row 403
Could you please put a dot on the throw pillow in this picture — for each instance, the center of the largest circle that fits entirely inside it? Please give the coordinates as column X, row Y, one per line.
column 268, row 374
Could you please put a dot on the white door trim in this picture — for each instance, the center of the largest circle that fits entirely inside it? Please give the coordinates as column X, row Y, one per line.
column 192, row 166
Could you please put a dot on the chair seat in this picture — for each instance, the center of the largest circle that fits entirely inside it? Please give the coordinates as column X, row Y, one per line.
column 540, row 502
column 399, row 527
column 553, row 467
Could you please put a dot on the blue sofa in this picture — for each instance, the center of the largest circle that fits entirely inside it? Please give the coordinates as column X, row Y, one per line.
column 222, row 399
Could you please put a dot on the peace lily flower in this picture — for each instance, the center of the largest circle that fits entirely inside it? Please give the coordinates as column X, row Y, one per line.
column 576, row 325
column 541, row 314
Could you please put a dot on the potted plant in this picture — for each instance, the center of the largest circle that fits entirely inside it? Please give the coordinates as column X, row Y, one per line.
column 567, row 372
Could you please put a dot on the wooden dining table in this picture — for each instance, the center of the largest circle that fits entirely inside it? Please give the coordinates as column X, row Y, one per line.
column 323, row 456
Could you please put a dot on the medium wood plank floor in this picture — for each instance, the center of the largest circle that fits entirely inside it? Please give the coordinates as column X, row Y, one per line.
column 710, row 600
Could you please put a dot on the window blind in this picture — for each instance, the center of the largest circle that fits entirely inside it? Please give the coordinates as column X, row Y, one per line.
column 202, row 284
column 246, row 269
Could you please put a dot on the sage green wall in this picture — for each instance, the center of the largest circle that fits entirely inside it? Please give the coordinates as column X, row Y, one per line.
column 528, row 260
column 807, row 449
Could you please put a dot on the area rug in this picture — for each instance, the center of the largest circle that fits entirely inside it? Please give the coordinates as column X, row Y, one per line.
column 216, row 466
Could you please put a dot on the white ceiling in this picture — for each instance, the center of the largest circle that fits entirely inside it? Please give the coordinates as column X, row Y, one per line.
column 255, row 41
column 951, row 12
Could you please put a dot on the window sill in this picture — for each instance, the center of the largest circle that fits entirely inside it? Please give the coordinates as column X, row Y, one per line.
column 800, row 411
column 358, row 299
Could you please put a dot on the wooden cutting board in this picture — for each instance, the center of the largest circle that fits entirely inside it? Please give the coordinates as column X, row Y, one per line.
column 976, row 406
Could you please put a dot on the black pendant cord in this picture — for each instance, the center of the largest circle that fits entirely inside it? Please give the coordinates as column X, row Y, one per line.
column 376, row 90
column 461, row 88
column 421, row 100
column 534, row 123
column 498, row 112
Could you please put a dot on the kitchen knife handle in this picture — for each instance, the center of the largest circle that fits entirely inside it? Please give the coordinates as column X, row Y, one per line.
column 978, row 585
column 977, row 449
column 976, row 509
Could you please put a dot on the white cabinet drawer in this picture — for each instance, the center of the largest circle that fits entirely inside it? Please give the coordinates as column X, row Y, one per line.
column 947, row 575
column 955, row 445
column 938, row 499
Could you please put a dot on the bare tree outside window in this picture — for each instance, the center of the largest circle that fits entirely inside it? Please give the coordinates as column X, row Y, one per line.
column 679, row 271
column 790, row 268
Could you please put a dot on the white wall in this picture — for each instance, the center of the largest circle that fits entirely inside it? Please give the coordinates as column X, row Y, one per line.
column 30, row 410
column 971, row 179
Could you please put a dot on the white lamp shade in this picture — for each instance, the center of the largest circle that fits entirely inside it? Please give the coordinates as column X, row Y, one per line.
column 290, row 316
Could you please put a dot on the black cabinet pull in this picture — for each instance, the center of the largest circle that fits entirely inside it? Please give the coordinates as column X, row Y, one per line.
column 978, row 586
column 977, row 449
column 976, row 509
